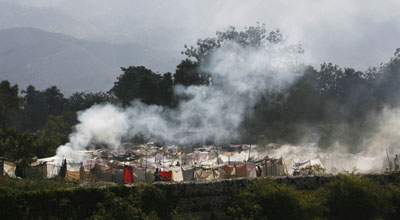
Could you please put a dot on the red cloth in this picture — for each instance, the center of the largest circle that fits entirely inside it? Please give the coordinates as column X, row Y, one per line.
column 166, row 175
column 128, row 174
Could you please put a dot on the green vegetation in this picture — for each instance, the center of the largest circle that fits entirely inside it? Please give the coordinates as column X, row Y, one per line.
column 344, row 197
column 58, row 199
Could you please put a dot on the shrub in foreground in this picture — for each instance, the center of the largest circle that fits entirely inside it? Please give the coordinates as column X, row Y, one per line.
column 265, row 199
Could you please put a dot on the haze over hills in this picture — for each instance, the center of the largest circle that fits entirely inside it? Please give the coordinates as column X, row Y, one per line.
column 40, row 58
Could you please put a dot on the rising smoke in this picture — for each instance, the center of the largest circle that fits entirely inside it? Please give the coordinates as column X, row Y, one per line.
column 212, row 113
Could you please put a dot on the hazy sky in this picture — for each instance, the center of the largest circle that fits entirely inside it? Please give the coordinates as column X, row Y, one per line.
column 358, row 33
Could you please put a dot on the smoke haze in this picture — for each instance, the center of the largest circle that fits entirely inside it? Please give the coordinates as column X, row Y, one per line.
column 359, row 34
column 212, row 112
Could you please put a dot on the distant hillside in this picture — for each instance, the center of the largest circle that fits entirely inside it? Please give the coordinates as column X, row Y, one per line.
column 32, row 56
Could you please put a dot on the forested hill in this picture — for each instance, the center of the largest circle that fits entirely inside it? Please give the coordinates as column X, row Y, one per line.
column 30, row 56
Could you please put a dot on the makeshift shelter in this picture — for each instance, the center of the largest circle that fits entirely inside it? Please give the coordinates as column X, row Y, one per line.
column 281, row 168
column 251, row 170
column 229, row 171
column 274, row 167
column 9, row 169
column 52, row 169
column 102, row 173
column 73, row 171
column 36, row 172
column 201, row 174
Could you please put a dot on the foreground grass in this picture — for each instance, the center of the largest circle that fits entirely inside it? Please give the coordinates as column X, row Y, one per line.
column 345, row 197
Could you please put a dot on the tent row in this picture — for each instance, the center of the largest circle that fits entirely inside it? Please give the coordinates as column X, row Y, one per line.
column 105, row 172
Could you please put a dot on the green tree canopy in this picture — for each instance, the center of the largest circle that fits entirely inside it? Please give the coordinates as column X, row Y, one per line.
column 9, row 104
column 54, row 133
column 138, row 82
column 18, row 146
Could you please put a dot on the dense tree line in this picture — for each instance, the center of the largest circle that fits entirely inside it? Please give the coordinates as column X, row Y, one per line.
column 331, row 101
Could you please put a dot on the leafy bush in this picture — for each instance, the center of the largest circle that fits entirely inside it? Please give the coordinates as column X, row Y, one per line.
column 355, row 197
column 312, row 170
column 344, row 197
column 265, row 199
column 58, row 199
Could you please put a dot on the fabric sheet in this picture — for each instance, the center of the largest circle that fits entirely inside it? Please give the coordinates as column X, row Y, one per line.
column 74, row 167
column 280, row 168
column 201, row 174
column 268, row 168
column 275, row 169
column 251, row 170
column 229, row 171
column 73, row 171
column 128, row 174
column 84, row 175
column 177, row 175
column 139, row 175
column 118, row 176
column 240, row 170
column 222, row 174
column 166, row 175
column 102, row 173
column 9, row 169
column 73, row 175
column 52, row 170
column 216, row 173
column 150, row 175
column 188, row 174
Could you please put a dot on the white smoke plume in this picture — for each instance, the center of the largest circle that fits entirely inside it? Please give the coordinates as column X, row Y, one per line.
column 375, row 154
column 213, row 113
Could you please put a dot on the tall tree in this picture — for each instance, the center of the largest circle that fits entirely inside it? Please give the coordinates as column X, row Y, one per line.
column 38, row 105
column 166, row 92
column 142, row 84
column 9, row 104
column 187, row 73
column 80, row 100
column 34, row 112
column 54, row 101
